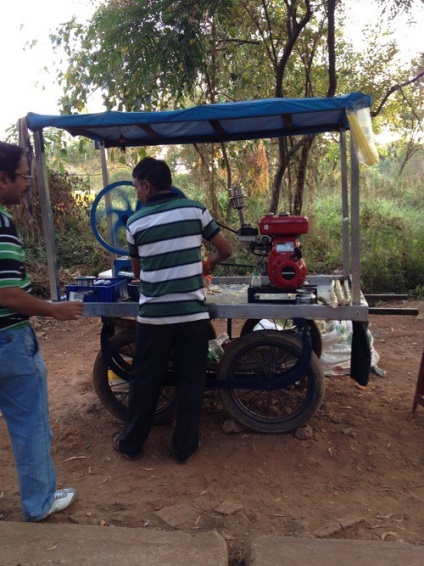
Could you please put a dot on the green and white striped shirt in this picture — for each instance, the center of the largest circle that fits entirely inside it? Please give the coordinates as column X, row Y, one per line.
column 167, row 235
column 12, row 269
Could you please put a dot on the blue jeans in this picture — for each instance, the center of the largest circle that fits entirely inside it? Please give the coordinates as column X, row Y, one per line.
column 24, row 404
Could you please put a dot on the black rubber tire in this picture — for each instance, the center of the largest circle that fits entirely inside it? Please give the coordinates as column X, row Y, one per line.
column 250, row 324
column 270, row 411
column 114, row 397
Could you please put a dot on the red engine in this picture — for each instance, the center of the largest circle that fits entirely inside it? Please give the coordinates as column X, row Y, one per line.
column 286, row 267
column 279, row 243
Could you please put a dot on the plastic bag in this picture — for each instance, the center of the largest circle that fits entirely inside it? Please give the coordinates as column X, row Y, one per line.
column 361, row 129
column 336, row 347
column 265, row 324
column 336, row 338
column 216, row 351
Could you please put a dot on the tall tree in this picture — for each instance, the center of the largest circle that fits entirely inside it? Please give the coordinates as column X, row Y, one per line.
column 166, row 54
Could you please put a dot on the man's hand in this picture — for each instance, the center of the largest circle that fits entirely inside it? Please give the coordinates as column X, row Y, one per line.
column 21, row 302
column 223, row 251
column 67, row 310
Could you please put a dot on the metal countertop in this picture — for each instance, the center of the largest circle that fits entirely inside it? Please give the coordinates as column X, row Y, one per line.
column 227, row 298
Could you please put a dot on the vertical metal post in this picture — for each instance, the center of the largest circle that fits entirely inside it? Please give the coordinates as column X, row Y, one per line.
column 108, row 202
column 345, row 204
column 46, row 215
column 103, row 159
column 355, row 228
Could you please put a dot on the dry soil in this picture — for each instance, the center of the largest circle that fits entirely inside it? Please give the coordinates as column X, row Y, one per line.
column 356, row 473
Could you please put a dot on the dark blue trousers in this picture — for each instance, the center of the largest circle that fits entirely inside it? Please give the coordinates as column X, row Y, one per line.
column 188, row 343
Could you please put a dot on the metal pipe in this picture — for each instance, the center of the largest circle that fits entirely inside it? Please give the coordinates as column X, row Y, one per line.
column 355, row 226
column 46, row 215
column 108, row 202
column 345, row 203
column 385, row 297
column 394, row 311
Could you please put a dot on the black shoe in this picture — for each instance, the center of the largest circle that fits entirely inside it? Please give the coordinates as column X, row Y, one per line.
column 187, row 460
column 115, row 444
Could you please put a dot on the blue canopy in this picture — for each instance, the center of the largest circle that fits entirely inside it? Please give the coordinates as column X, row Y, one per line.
column 208, row 123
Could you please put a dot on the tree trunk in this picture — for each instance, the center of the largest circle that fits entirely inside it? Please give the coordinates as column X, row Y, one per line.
column 301, row 175
column 278, row 177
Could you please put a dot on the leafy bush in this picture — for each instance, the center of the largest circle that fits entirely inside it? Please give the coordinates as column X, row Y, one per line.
column 392, row 230
column 75, row 242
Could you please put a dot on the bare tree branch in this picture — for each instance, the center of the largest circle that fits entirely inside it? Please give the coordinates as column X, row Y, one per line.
column 393, row 89
column 332, row 74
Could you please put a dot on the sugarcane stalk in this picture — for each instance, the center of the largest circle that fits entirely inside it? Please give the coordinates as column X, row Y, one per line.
column 333, row 296
column 347, row 291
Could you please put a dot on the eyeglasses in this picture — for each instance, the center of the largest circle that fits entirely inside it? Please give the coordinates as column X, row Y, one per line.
column 26, row 177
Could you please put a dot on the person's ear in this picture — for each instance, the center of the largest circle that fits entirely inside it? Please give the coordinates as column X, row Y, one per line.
column 149, row 189
column 4, row 178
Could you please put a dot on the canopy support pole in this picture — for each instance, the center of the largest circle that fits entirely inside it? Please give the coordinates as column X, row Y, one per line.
column 345, row 203
column 108, row 202
column 355, row 226
column 46, row 215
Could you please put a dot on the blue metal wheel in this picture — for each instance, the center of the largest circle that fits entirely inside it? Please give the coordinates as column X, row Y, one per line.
column 109, row 214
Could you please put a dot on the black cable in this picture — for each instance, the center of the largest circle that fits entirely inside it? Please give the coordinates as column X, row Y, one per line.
column 226, row 227
column 236, row 264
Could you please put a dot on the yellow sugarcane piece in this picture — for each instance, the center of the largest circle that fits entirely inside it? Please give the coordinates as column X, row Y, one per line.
column 341, row 299
column 368, row 152
column 347, row 291
column 333, row 297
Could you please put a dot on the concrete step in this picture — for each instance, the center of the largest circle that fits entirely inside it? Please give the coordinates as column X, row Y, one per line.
column 36, row 544
column 39, row 544
column 291, row 551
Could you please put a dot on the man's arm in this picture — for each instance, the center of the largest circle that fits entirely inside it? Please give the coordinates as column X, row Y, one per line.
column 136, row 267
column 22, row 302
column 222, row 252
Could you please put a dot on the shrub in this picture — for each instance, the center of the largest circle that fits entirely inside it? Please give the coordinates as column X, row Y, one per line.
column 75, row 242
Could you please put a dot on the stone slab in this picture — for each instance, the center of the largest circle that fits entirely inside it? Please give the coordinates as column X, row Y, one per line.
column 36, row 544
column 45, row 544
column 291, row 551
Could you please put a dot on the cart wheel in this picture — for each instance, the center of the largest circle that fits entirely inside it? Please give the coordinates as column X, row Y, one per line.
column 113, row 391
column 288, row 326
column 117, row 201
column 265, row 356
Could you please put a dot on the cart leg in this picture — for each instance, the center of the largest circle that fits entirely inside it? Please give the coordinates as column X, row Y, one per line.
column 419, row 391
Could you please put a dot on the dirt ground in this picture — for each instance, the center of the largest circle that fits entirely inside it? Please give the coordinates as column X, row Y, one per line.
column 357, row 474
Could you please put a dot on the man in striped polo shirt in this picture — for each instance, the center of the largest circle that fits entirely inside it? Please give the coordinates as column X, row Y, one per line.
column 164, row 239
column 23, row 379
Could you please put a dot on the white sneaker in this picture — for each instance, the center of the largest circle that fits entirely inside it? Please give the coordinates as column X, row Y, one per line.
column 62, row 499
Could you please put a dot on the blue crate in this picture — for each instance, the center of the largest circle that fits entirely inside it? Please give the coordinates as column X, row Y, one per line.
column 102, row 290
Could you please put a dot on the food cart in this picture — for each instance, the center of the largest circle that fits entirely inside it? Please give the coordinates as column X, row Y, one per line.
column 272, row 380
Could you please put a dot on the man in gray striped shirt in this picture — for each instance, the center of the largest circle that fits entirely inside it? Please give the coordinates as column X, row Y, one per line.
column 164, row 240
column 23, row 378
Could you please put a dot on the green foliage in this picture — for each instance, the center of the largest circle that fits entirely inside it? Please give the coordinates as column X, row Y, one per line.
column 322, row 246
column 167, row 54
column 75, row 242
column 140, row 54
column 418, row 293
column 382, row 251
column 392, row 225
column 391, row 229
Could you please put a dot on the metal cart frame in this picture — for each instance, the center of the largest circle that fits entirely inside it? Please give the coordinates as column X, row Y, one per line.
column 219, row 123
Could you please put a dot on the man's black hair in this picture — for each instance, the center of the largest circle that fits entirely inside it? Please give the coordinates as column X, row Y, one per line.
column 10, row 156
column 156, row 171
